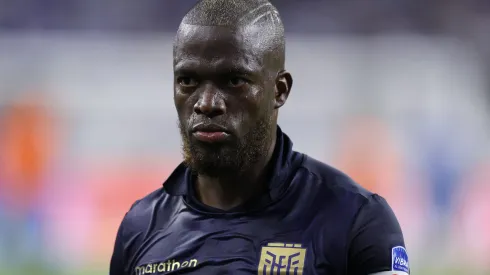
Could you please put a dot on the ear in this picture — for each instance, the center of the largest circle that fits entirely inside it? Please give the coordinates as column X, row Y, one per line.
column 284, row 82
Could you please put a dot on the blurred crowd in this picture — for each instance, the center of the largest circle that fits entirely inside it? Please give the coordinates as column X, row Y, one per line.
column 86, row 117
column 467, row 20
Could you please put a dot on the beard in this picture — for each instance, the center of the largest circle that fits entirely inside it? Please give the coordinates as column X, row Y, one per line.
column 232, row 158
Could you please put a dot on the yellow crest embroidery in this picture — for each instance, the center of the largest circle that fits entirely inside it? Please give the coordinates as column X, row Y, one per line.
column 282, row 259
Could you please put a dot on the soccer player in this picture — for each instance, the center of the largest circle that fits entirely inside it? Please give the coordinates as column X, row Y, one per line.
column 242, row 201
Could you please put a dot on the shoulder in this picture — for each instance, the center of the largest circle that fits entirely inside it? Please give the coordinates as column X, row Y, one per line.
column 132, row 231
column 145, row 205
column 160, row 203
column 334, row 191
column 139, row 215
column 365, row 223
column 329, row 182
column 329, row 179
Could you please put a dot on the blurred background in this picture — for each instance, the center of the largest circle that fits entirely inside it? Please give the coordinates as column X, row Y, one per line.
column 394, row 93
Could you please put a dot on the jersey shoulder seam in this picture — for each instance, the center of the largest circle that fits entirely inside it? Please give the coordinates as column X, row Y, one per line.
column 336, row 177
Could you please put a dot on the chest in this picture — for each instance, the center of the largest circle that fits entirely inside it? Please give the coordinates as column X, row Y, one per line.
column 273, row 245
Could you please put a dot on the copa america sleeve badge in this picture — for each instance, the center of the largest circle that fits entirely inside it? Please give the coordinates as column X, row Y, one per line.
column 399, row 261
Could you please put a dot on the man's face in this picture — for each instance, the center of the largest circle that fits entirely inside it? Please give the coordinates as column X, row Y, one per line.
column 224, row 96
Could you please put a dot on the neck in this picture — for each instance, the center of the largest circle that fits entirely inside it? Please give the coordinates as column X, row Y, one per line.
column 232, row 191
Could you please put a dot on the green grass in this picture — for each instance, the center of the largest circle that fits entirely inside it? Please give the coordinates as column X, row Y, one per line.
column 40, row 270
column 450, row 271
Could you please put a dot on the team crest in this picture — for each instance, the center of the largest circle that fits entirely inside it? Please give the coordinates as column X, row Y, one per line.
column 282, row 259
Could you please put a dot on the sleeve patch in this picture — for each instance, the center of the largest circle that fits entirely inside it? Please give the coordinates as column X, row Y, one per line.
column 399, row 259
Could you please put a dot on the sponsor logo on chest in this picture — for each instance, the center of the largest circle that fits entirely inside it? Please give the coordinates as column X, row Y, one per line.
column 164, row 267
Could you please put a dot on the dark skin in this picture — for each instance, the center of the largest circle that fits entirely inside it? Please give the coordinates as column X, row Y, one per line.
column 228, row 77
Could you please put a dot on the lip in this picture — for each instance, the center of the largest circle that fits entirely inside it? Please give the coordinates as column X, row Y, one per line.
column 210, row 133
column 209, row 128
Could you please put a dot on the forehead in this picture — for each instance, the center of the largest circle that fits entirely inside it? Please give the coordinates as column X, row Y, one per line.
column 217, row 47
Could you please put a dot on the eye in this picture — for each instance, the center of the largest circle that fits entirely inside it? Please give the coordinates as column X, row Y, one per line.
column 185, row 81
column 236, row 82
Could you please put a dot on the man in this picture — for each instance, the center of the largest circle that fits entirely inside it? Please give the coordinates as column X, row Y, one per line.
column 243, row 202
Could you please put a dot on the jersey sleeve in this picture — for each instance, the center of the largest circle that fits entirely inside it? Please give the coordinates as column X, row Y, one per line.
column 124, row 240
column 117, row 264
column 376, row 241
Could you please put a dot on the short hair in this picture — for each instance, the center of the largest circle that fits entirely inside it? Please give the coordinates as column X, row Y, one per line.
column 231, row 13
column 240, row 14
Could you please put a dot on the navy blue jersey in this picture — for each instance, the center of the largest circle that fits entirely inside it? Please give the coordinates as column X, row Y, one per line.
column 313, row 220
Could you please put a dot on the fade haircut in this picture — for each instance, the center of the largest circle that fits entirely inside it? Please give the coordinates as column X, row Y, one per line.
column 238, row 14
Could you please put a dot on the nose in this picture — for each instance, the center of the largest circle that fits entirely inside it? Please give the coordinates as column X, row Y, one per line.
column 210, row 103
